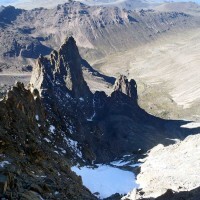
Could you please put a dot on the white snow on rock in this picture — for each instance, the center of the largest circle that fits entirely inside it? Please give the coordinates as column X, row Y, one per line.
column 81, row 99
column 47, row 140
column 68, row 96
column 136, row 165
column 119, row 163
column 106, row 180
column 130, row 196
column 70, row 129
column 56, row 152
column 94, row 114
column 73, row 146
column 4, row 163
column 173, row 167
column 52, row 129
column 37, row 117
column 122, row 163
column 92, row 117
column 191, row 125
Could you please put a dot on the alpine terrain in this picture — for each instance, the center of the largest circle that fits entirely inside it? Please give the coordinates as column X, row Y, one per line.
column 99, row 100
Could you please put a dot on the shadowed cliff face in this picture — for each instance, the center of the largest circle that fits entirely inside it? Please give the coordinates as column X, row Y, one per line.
column 62, row 68
column 122, row 85
column 104, row 126
column 8, row 14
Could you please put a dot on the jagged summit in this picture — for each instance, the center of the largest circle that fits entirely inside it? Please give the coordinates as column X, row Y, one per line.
column 69, row 47
column 100, row 122
column 61, row 69
column 126, row 87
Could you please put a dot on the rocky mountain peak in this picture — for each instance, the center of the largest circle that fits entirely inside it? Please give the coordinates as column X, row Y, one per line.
column 129, row 88
column 62, row 69
column 69, row 47
column 97, row 123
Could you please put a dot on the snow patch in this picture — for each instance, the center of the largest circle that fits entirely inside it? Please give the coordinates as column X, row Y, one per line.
column 68, row 96
column 175, row 140
column 106, row 180
column 81, row 99
column 63, row 151
column 70, row 129
column 120, row 163
column 136, row 165
column 191, row 125
column 47, row 140
column 37, row 117
column 94, row 114
column 4, row 163
column 52, row 129
column 91, row 118
column 40, row 176
column 56, row 152
column 74, row 146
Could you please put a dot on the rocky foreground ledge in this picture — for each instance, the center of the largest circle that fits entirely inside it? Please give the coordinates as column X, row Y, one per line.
column 29, row 167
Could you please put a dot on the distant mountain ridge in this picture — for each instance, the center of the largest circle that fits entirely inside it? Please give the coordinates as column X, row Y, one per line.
column 98, row 30
column 129, row 4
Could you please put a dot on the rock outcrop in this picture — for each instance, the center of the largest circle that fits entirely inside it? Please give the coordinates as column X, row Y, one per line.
column 62, row 68
column 128, row 88
column 99, row 123
column 30, row 167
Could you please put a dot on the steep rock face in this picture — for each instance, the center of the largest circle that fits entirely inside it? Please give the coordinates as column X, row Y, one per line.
column 18, row 112
column 63, row 68
column 65, row 94
column 128, row 88
column 30, row 167
column 8, row 14
column 97, row 122
column 59, row 122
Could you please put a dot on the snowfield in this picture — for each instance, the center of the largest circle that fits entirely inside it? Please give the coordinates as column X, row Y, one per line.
column 106, row 180
column 191, row 125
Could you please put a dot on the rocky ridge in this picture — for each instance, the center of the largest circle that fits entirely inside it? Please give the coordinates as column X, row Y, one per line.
column 29, row 165
column 97, row 121
column 59, row 122
column 38, row 31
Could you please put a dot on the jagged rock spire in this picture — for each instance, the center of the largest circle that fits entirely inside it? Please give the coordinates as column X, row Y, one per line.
column 62, row 69
column 126, row 87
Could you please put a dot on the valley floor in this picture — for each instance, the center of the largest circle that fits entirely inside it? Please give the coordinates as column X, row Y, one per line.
column 167, row 74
